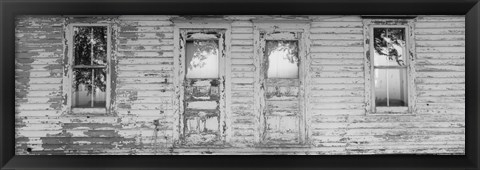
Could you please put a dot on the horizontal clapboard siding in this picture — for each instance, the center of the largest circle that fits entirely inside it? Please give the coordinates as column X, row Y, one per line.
column 337, row 103
column 336, row 87
column 38, row 76
column 440, row 84
column 144, row 73
column 145, row 80
column 243, row 119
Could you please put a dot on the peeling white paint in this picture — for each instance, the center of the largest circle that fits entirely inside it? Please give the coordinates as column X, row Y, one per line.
column 330, row 117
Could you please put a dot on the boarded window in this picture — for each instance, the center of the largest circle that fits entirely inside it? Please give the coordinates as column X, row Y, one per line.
column 202, row 59
column 389, row 62
column 282, row 59
column 89, row 66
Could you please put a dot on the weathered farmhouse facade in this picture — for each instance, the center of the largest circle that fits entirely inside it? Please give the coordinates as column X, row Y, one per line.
column 240, row 85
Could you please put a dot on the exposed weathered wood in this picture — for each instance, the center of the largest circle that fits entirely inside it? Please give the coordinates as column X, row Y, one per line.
column 454, row 24
column 336, row 55
column 439, row 37
column 440, row 44
column 348, row 43
column 336, row 49
column 324, row 110
column 440, row 75
column 441, row 18
column 440, row 49
column 347, row 24
column 439, row 31
column 440, row 80
column 337, row 30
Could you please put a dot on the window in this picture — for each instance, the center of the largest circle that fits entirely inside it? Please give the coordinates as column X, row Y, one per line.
column 282, row 59
column 202, row 59
column 89, row 61
column 390, row 67
column 202, row 94
column 280, row 85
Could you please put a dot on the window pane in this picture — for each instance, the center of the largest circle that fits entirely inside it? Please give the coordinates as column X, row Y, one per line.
column 81, row 45
column 282, row 59
column 88, row 41
column 100, row 87
column 82, row 88
column 202, row 59
column 391, row 87
column 99, row 45
column 389, row 45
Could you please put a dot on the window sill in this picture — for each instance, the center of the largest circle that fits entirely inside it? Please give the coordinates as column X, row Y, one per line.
column 89, row 112
column 391, row 111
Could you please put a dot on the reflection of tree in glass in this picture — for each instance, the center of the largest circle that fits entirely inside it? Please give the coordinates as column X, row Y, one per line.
column 84, row 76
column 82, row 47
column 99, row 45
column 390, row 42
column 100, row 79
column 203, row 48
column 84, row 39
column 88, row 41
column 289, row 46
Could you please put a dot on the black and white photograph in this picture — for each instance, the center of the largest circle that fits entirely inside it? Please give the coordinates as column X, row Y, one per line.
column 240, row 84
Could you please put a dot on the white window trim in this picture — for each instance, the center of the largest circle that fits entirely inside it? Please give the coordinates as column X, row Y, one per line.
column 283, row 27
column 67, row 78
column 370, row 107
column 180, row 26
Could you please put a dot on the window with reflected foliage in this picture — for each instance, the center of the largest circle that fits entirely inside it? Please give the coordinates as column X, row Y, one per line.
column 89, row 66
column 390, row 67
column 202, row 59
column 282, row 59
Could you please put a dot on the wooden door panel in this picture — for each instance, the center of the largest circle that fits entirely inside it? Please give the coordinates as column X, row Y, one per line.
column 281, row 56
column 202, row 112
column 282, row 138
column 282, row 124
column 282, row 105
column 196, row 139
column 202, row 105
column 282, row 111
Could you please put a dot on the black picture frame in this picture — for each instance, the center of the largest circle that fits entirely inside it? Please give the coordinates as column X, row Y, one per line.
column 11, row 8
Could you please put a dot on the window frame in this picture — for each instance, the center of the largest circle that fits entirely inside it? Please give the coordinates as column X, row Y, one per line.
column 68, row 79
column 181, row 27
column 369, row 25
column 288, row 30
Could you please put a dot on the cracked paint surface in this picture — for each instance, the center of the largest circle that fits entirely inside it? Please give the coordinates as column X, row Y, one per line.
column 241, row 111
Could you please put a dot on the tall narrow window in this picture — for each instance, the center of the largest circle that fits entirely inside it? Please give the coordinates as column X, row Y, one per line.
column 390, row 66
column 89, row 66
